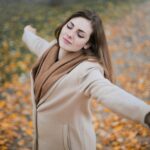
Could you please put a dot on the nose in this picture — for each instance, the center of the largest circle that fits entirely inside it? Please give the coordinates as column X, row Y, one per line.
column 70, row 34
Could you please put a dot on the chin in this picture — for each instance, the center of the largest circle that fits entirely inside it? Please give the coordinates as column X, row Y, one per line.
column 64, row 46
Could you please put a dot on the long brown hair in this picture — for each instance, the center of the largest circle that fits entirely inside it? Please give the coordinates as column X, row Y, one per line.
column 98, row 43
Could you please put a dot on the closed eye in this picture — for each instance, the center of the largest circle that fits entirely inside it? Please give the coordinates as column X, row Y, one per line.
column 80, row 36
column 69, row 27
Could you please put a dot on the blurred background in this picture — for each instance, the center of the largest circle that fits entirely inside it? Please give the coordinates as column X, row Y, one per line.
column 127, row 28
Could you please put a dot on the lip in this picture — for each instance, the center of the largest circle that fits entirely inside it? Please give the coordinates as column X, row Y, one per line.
column 66, row 41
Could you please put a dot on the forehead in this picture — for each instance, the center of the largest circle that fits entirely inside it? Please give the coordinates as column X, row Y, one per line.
column 82, row 24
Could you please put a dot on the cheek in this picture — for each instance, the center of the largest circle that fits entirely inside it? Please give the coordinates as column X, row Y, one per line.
column 61, row 33
column 80, row 43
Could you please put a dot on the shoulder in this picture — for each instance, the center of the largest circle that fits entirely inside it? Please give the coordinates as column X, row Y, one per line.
column 88, row 72
column 89, row 65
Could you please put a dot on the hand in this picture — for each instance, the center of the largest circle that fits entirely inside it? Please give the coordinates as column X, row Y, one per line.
column 30, row 28
column 147, row 119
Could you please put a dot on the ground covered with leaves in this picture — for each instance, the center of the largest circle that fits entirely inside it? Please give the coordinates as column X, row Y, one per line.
column 127, row 29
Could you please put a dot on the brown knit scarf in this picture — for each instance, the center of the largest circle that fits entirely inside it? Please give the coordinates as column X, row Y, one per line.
column 48, row 69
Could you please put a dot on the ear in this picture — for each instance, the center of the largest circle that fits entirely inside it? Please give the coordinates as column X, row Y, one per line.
column 87, row 45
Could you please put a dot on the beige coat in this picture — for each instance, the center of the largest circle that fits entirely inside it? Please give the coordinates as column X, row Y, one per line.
column 62, row 119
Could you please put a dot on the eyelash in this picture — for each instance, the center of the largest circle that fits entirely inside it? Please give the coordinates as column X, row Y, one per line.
column 69, row 27
column 78, row 34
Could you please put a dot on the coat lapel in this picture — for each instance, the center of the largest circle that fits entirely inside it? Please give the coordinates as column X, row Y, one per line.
column 35, row 104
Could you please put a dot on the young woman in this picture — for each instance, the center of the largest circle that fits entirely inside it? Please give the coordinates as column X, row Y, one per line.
column 72, row 70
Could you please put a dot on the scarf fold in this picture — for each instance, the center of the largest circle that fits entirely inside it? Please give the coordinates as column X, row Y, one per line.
column 48, row 69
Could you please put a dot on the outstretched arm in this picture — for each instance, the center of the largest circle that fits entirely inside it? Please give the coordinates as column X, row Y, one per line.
column 93, row 84
column 35, row 43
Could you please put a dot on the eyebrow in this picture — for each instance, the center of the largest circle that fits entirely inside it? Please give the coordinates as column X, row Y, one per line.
column 79, row 29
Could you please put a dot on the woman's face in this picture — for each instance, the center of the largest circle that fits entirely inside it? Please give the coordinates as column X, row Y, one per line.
column 75, row 34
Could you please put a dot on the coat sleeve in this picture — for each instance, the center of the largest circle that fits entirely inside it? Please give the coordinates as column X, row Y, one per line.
column 35, row 43
column 94, row 85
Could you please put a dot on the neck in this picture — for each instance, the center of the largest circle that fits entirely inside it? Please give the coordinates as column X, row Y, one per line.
column 62, row 53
